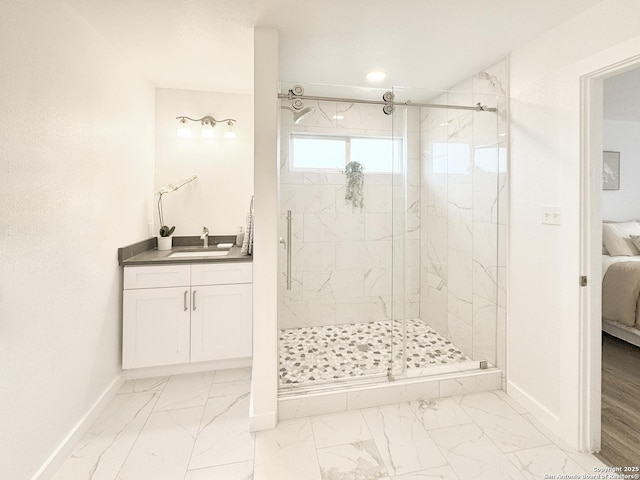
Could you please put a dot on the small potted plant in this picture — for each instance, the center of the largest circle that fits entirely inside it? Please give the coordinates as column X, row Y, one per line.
column 165, row 240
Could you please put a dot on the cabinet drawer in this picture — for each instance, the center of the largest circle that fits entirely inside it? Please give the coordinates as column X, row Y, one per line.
column 221, row 273
column 156, row 276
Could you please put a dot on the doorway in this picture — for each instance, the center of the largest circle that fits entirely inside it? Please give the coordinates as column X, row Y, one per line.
column 601, row 410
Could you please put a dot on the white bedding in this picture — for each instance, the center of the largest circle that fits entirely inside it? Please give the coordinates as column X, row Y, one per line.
column 608, row 260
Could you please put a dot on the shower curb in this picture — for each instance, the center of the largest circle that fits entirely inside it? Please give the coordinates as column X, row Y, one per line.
column 295, row 404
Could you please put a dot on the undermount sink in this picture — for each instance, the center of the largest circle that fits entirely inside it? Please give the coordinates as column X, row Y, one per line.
column 201, row 253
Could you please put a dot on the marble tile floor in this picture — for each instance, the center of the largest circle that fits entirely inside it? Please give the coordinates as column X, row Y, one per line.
column 195, row 427
column 320, row 354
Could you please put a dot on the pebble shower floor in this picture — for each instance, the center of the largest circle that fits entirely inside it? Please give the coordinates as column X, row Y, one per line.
column 319, row 354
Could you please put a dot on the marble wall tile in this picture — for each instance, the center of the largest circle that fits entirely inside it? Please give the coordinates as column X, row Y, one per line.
column 301, row 198
column 295, row 314
column 377, row 198
column 104, row 448
column 352, row 255
column 484, row 330
column 377, row 281
column 491, row 79
column 460, row 323
column 366, row 309
column 379, row 254
column 358, row 461
column 313, row 256
column 485, row 281
column 339, row 429
column 434, row 304
column 485, row 193
column 165, row 456
column 333, row 284
column 473, row 455
column 404, row 444
column 378, row 226
column 460, row 276
column 501, row 339
column 436, row 195
column 290, row 408
column 485, row 124
column 331, row 227
column 287, row 452
column 392, row 394
column 470, row 384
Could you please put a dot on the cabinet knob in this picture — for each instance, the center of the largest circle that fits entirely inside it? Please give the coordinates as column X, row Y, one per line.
column 186, row 292
column 194, row 301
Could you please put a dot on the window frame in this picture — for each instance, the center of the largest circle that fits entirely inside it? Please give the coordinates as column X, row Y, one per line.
column 328, row 136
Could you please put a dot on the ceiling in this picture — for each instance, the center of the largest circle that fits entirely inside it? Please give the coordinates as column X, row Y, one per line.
column 208, row 44
column 622, row 96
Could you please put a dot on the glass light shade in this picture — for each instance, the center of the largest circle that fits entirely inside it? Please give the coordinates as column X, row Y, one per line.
column 183, row 129
column 229, row 134
column 207, row 131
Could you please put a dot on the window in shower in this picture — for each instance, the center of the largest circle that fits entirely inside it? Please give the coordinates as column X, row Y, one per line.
column 331, row 152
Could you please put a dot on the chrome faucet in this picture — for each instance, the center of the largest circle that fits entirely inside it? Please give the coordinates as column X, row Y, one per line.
column 205, row 237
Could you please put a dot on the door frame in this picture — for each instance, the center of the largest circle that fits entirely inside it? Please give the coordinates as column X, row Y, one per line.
column 591, row 147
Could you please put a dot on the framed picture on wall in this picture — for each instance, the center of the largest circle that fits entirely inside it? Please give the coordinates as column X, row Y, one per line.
column 611, row 171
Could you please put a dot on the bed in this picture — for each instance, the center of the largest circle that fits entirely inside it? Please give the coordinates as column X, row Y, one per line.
column 621, row 280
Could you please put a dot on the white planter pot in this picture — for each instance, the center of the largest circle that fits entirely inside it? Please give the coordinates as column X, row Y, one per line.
column 165, row 243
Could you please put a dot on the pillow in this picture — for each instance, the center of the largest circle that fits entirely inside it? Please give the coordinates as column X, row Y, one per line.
column 616, row 238
column 636, row 241
column 604, row 250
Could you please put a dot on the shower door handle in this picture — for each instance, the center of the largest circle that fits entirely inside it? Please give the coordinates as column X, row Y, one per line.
column 288, row 247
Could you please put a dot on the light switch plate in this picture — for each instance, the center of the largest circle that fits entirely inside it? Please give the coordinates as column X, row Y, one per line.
column 551, row 215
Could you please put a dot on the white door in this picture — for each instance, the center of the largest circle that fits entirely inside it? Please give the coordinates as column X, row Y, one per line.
column 156, row 327
column 221, row 317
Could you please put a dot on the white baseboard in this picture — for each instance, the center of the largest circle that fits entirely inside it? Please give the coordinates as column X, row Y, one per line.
column 62, row 452
column 166, row 370
column 263, row 421
column 545, row 416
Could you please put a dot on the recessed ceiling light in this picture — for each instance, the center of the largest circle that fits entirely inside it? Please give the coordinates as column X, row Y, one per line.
column 338, row 117
column 375, row 77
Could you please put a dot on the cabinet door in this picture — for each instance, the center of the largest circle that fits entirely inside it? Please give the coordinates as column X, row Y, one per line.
column 155, row 327
column 221, row 322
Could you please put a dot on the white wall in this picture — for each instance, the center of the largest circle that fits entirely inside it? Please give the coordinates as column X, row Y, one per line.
column 623, row 204
column 264, row 379
column 220, row 198
column 544, row 297
column 76, row 156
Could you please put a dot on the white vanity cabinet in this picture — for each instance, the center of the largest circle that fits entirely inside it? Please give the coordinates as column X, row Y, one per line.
column 175, row 314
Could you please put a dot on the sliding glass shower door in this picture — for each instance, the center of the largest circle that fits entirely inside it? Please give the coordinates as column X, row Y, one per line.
column 336, row 274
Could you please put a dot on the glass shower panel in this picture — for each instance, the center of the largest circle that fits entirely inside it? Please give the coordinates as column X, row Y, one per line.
column 453, row 260
column 336, row 200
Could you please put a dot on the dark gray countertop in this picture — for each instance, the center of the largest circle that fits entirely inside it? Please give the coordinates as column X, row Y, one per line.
column 147, row 253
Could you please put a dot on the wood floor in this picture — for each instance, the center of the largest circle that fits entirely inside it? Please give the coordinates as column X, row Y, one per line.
column 620, row 403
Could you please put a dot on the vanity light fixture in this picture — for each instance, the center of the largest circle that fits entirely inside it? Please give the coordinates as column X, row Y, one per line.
column 208, row 123
column 229, row 134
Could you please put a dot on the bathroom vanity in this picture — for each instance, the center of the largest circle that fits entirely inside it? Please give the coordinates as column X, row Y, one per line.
column 186, row 308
